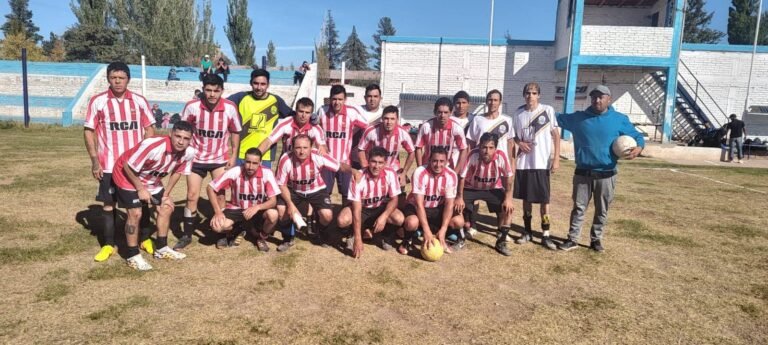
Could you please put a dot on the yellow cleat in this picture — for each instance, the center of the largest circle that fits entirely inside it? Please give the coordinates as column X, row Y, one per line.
column 148, row 246
column 104, row 253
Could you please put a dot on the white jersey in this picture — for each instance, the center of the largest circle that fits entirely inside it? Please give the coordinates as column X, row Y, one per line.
column 535, row 126
column 501, row 126
column 373, row 117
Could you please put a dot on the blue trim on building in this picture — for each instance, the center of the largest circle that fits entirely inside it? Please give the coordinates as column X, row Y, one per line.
column 623, row 61
column 464, row 41
column 671, row 87
column 723, row 48
column 573, row 66
column 66, row 115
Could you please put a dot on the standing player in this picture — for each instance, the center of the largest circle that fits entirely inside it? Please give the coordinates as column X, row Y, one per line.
column 116, row 121
column 297, row 124
column 486, row 177
column 441, row 131
column 537, row 136
column 371, row 110
column 389, row 135
column 461, row 107
column 138, row 176
column 252, row 202
column 430, row 204
column 339, row 121
column 216, row 122
column 373, row 204
column 259, row 111
column 299, row 175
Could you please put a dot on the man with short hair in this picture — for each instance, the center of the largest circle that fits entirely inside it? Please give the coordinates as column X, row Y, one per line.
column 252, row 202
column 299, row 123
column 441, row 131
column 372, row 111
column 373, row 203
column 461, row 107
column 216, row 122
column 493, row 121
column 116, row 120
column 299, row 175
column 736, row 131
column 594, row 131
column 537, row 137
column 430, row 204
column 391, row 137
column 487, row 177
column 138, row 176
column 339, row 121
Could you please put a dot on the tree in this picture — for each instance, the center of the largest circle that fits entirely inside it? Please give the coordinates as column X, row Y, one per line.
column 742, row 20
column 53, row 48
column 10, row 49
column 696, row 24
column 238, row 31
column 20, row 21
column 94, row 44
column 323, row 65
column 91, row 12
column 330, row 40
column 355, row 53
column 385, row 29
column 271, row 58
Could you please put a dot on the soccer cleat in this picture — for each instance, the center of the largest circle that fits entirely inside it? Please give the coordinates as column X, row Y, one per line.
column 351, row 243
column 470, row 233
column 138, row 263
column 568, row 245
column 386, row 242
column 168, row 253
column 222, row 243
column 148, row 246
column 596, row 246
column 262, row 245
column 285, row 245
column 104, row 253
column 524, row 238
column 238, row 239
column 183, row 242
column 501, row 247
column 546, row 241
column 458, row 245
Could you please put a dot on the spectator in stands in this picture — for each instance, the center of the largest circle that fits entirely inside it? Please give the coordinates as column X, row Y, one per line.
column 157, row 113
column 736, row 131
column 172, row 75
column 175, row 118
column 206, row 66
column 222, row 68
column 197, row 94
column 166, row 119
column 298, row 76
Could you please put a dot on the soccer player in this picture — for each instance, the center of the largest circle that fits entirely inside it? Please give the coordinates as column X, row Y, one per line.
column 252, row 202
column 373, row 203
column 461, row 108
column 339, row 120
column 441, row 131
column 299, row 175
column 430, row 204
column 389, row 135
column 116, row 120
column 493, row 121
column 486, row 177
column 138, row 176
column 536, row 137
column 372, row 111
column 216, row 123
column 297, row 124
column 259, row 111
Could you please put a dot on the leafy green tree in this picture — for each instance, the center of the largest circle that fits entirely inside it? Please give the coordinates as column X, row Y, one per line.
column 385, row 29
column 93, row 44
column 91, row 12
column 271, row 57
column 697, row 24
column 19, row 20
column 238, row 32
column 742, row 20
column 10, row 47
column 355, row 53
column 330, row 40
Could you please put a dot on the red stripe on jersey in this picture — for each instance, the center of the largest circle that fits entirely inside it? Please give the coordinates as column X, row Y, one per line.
column 304, row 176
column 480, row 175
column 212, row 129
column 152, row 159
column 434, row 188
column 287, row 129
column 450, row 137
column 373, row 191
column 375, row 136
column 246, row 191
column 338, row 129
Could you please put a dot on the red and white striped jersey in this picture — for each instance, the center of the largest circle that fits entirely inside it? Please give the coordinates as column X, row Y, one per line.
column 339, row 128
column 119, row 125
column 479, row 175
column 304, row 176
column 287, row 128
column 152, row 159
column 375, row 136
column 212, row 129
column 373, row 191
column 451, row 137
column 434, row 188
column 246, row 191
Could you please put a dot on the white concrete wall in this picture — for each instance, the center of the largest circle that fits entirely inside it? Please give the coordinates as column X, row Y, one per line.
column 562, row 31
column 617, row 16
column 626, row 41
column 41, row 85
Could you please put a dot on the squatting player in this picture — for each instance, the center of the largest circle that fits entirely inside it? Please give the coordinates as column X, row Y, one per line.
column 216, row 122
column 252, row 202
column 116, row 120
column 138, row 176
column 373, row 202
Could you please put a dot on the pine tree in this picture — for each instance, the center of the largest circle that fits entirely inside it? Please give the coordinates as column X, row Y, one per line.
column 91, row 12
column 742, row 20
column 10, row 49
column 331, row 41
column 385, row 29
column 271, row 57
column 20, row 21
column 238, row 31
column 696, row 24
column 355, row 53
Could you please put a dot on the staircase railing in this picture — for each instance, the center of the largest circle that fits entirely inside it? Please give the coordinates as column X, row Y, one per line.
column 701, row 98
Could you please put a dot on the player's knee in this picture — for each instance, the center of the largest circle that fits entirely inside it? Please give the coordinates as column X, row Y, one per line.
column 457, row 222
column 344, row 220
column 411, row 223
column 326, row 216
column 134, row 214
column 271, row 215
column 396, row 218
column 192, row 196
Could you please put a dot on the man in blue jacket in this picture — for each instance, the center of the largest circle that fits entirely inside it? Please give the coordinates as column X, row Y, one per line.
column 594, row 130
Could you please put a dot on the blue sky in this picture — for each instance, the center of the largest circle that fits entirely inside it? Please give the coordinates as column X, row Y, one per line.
column 294, row 25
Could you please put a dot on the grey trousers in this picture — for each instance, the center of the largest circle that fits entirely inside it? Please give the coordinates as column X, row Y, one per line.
column 735, row 145
column 584, row 188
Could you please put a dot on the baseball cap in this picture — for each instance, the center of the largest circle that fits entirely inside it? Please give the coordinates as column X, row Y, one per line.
column 601, row 89
column 206, row 55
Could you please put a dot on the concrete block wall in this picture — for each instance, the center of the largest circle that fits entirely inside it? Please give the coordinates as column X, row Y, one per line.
column 616, row 16
column 41, row 85
column 626, row 41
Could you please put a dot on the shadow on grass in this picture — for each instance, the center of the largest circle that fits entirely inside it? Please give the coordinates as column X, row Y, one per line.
column 115, row 311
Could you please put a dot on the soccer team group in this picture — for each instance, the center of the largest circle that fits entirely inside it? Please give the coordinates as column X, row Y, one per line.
column 460, row 159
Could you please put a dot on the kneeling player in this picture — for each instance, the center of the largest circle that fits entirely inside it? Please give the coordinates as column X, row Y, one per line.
column 430, row 204
column 252, row 201
column 138, row 176
column 370, row 211
column 486, row 177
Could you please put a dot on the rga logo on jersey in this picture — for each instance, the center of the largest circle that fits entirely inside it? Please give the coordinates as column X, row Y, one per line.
column 485, row 179
column 251, row 197
column 444, row 147
column 335, row 135
column 123, row 126
column 210, row 134
column 156, row 173
column 374, row 200
column 437, row 198
column 305, row 182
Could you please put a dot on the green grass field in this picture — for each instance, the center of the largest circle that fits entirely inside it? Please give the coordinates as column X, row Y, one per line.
column 686, row 262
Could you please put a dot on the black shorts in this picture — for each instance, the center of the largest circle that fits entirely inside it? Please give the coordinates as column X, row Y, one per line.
column 319, row 200
column 107, row 191
column 434, row 215
column 532, row 185
column 203, row 169
column 130, row 198
column 493, row 198
column 239, row 219
column 368, row 216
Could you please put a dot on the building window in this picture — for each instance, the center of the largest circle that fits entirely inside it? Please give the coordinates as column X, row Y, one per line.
column 670, row 17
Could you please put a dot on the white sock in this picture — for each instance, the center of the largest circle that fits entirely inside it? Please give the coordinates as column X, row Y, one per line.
column 546, row 233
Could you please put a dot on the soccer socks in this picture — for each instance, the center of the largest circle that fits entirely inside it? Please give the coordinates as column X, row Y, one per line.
column 132, row 251
column 545, row 224
column 161, row 242
column 504, row 232
column 527, row 222
column 190, row 220
column 108, row 236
